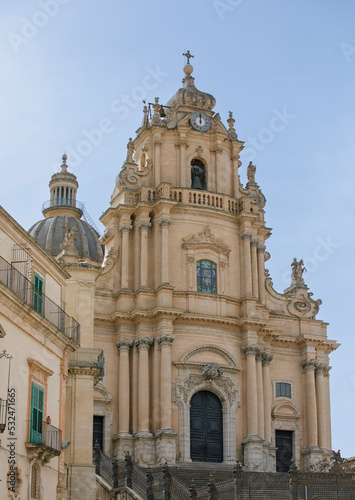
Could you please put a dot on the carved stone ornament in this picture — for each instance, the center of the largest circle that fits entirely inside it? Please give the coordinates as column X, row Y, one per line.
column 301, row 304
column 250, row 349
column 69, row 237
column 165, row 339
column 143, row 343
column 124, row 344
column 130, row 175
column 110, row 259
column 309, row 364
column 251, row 172
column 211, row 371
column 267, row 358
column 205, row 238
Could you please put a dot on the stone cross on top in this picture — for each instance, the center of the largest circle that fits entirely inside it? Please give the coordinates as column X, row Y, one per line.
column 188, row 56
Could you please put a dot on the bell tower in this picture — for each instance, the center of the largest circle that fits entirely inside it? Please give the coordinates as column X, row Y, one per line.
column 186, row 299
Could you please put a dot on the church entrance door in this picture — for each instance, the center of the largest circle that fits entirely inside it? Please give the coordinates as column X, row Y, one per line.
column 284, row 450
column 206, row 428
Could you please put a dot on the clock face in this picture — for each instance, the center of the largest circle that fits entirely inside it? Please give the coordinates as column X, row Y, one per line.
column 200, row 121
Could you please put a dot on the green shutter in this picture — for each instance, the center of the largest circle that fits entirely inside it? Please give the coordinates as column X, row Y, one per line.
column 38, row 293
column 37, row 398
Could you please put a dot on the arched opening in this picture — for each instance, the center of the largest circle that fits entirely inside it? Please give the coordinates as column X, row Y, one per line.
column 198, row 175
column 206, row 428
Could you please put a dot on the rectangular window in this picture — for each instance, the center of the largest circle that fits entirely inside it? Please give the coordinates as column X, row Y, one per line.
column 37, row 400
column 38, row 293
column 283, row 390
column 98, row 431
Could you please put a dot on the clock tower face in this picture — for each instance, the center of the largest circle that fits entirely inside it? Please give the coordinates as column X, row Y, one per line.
column 200, row 121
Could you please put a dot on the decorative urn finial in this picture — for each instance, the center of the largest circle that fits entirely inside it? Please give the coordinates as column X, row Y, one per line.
column 64, row 165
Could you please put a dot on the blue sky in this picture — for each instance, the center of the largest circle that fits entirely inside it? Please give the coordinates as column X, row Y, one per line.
column 72, row 67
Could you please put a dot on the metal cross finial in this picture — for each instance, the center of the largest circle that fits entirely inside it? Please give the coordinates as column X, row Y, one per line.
column 188, row 56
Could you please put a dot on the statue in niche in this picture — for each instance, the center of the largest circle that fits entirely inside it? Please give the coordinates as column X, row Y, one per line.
column 198, row 175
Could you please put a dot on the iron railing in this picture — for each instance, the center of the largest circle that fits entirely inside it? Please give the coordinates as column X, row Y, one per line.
column 87, row 357
column 26, row 291
column 3, row 414
column 42, row 434
column 63, row 203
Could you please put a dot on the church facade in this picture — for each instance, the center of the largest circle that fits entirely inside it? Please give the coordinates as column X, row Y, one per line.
column 187, row 353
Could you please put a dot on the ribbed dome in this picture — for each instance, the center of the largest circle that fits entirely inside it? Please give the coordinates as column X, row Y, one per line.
column 50, row 233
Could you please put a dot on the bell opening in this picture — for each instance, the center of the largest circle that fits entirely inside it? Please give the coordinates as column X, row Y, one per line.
column 198, row 175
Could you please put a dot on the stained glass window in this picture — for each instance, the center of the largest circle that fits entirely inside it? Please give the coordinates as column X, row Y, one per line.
column 206, row 277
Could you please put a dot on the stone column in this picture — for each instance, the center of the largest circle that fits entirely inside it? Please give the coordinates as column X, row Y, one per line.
column 261, row 272
column 250, row 351
column 124, row 346
column 125, row 229
column 246, row 263
column 165, row 223
column 311, row 405
column 157, row 144
column 321, row 411
column 144, row 227
column 143, row 345
column 254, row 267
column 260, row 393
column 267, row 358
column 327, row 408
column 165, row 341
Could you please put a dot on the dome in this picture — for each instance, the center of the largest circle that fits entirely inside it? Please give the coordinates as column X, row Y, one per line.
column 50, row 234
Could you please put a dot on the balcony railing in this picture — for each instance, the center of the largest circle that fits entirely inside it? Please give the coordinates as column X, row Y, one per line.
column 3, row 413
column 44, row 435
column 63, row 203
column 26, row 291
column 87, row 357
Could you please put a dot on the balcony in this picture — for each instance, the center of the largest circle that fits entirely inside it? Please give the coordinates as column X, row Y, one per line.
column 88, row 358
column 44, row 440
column 26, row 291
column 3, row 413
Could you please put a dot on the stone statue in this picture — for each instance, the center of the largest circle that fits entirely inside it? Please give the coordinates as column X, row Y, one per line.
column 297, row 271
column 251, row 172
column 69, row 237
column 130, row 150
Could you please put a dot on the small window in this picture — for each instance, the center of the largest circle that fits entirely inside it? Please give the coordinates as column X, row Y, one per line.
column 283, row 390
column 38, row 293
column 206, row 277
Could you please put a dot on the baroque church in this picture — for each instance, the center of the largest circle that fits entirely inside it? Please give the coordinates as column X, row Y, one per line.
column 187, row 353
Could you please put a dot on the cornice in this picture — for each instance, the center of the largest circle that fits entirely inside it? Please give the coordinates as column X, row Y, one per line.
column 201, row 364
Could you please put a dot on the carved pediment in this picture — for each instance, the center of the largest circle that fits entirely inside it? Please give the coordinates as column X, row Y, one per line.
column 205, row 239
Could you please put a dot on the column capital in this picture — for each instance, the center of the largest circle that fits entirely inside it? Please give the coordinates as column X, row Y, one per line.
column 125, row 228
column 320, row 368
column 254, row 242
column 245, row 235
column 261, row 248
column 309, row 364
column 124, row 344
column 165, row 339
column 164, row 222
column 267, row 358
column 260, row 355
column 144, row 225
column 250, row 349
column 143, row 343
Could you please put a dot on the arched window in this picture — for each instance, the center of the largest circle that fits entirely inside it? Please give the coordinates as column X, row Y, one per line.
column 198, row 175
column 206, row 277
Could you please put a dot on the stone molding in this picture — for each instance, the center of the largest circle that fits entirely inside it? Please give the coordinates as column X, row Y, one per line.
column 250, row 349
column 143, row 343
column 165, row 339
column 125, row 228
column 124, row 344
